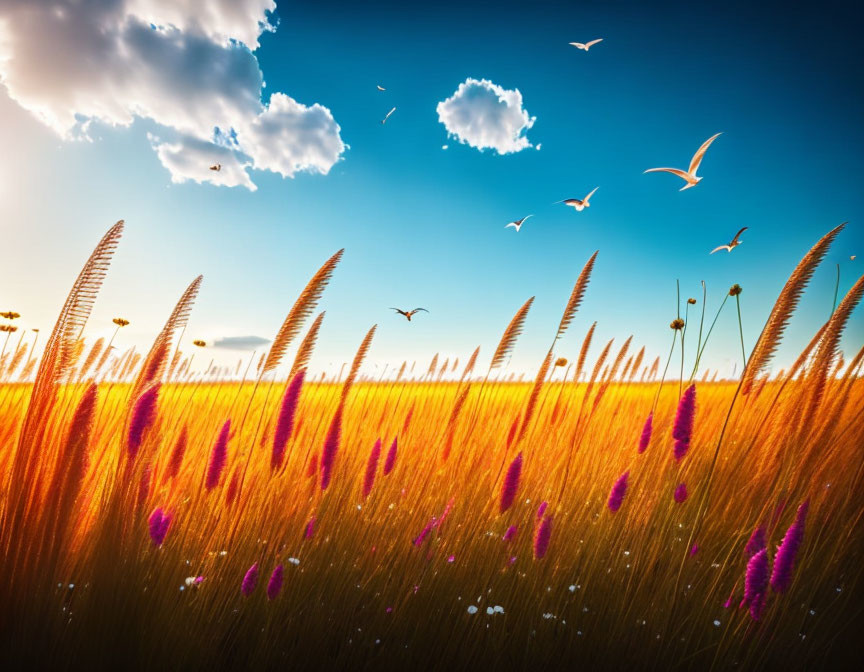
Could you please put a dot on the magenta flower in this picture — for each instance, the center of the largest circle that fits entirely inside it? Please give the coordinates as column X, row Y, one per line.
column 510, row 533
column 542, row 509
column 616, row 496
column 274, row 585
column 250, row 580
column 371, row 468
column 756, row 583
column 143, row 415
column 681, row 493
column 420, row 538
column 331, row 447
column 756, row 542
column 285, row 421
column 159, row 522
column 218, row 457
column 390, row 460
column 310, row 529
column 682, row 429
column 541, row 539
column 694, row 549
column 511, row 483
column 645, row 438
column 784, row 560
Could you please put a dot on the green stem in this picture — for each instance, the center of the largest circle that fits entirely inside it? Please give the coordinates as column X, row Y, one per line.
column 741, row 332
column 836, row 288
column 663, row 377
column 707, row 336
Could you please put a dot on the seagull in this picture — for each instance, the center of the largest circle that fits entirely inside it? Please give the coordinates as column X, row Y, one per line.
column 216, row 166
column 578, row 205
column 409, row 313
column 381, row 88
column 690, row 175
column 732, row 243
column 518, row 223
column 587, row 45
column 852, row 258
column 384, row 120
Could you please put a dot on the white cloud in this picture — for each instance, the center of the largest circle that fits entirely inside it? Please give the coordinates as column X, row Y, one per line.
column 486, row 116
column 180, row 63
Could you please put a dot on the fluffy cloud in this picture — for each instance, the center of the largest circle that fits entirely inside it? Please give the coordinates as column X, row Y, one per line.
column 181, row 63
column 240, row 342
column 486, row 116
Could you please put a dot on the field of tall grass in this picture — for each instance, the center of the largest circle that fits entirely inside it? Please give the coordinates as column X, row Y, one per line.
column 616, row 511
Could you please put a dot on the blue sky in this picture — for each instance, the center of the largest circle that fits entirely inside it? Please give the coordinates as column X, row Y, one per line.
column 424, row 226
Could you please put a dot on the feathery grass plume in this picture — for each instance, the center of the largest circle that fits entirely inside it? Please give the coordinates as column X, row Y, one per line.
column 407, row 423
column 512, row 433
column 576, row 297
column 535, row 395
column 756, row 542
column 53, row 366
column 511, row 333
column 450, row 431
column 680, row 495
column 756, row 583
column 156, row 360
column 303, row 307
column 177, row 454
column 619, row 489
column 274, row 585
column 510, row 533
column 682, row 429
column 307, row 345
column 359, row 356
column 433, row 365
column 511, row 484
column 233, row 488
column 218, row 457
column 331, row 447
column 637, row 362
column 784, row 307
column 784, row 560
column 285, row 421
column 390, row 460
column 469, row 367
column 158, row 523
column 583, row 352
column 541, row 539
column 95, row 350
column 17, row 358
column 420, row 538
column 143, row 415
column 312, row 470
column 309, row 532
column 371, row 468
column 144, row 485
column 542, row 509
column 250, row 581
column 645, row 437
column 828, row 348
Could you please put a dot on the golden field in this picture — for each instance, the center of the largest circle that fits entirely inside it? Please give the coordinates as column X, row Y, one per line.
column 390, row 578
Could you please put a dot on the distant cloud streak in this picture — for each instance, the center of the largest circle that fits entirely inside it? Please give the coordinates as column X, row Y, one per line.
column 239, row 342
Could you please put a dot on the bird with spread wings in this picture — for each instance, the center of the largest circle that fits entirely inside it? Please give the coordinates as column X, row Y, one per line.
column 409, row 313
column 735, row 242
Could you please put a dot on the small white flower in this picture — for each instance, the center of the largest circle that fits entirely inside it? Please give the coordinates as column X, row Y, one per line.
column 490, row 611
column 498, row 609
column 717, row 624
column 572, row 588
column 472, row 609
column 294, row 561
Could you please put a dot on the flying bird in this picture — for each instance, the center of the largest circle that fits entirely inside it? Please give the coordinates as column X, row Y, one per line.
column 518, row 223
column 384, row 120
column 381, row 88
column 732, row 243
column 216, row 166
column 689, row 176
column 409, row 313
column 852, row 258
column 579, row 205
column 587, row 45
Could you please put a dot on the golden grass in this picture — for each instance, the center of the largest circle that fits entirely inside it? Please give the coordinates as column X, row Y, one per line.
column 386, row 580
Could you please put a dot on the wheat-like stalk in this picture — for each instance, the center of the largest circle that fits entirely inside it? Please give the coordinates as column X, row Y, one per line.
column 154, row 364
column 511, row 333
column 783, row 309
column 303, row 308
column 358, row 362
column 576, row 297
column 583, row 352
column 531, row 406
column 307, row 345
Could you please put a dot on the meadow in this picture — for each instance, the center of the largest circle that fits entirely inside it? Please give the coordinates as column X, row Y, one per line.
column 616, row 510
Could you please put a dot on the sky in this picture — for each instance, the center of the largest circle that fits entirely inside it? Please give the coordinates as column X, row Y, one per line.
column 115, row 109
